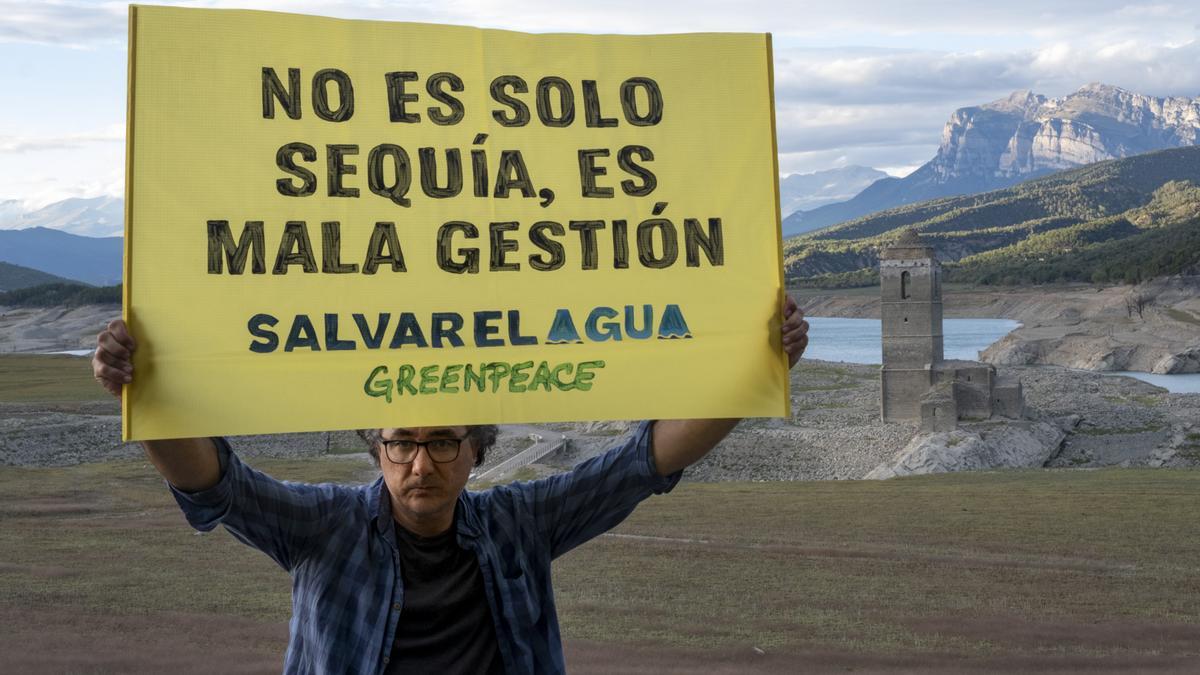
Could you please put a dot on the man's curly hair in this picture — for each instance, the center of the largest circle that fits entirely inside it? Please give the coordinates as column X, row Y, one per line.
column 482, row 437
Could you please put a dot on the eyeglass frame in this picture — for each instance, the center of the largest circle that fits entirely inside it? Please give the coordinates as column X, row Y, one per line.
column 419, row 445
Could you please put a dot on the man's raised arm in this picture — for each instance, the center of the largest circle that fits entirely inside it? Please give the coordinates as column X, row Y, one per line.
column 189, row 464
column 678, row 444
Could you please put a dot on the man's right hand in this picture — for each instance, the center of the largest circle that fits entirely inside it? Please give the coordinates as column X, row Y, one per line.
column 112, row 364
column 189, row 464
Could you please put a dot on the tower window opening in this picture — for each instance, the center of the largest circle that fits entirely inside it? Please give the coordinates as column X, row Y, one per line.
column 904, row 286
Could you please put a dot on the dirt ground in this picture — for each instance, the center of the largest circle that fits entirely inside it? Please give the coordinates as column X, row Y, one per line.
column 985, row 572
column 592, row 658
column 69, row 641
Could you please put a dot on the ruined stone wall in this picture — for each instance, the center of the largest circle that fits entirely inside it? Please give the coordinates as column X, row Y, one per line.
column 972, row 385
column 901, row 392
column 1008, row 398
column 939, row 409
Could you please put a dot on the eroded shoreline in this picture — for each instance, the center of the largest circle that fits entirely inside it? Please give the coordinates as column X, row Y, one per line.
column 1152, row 328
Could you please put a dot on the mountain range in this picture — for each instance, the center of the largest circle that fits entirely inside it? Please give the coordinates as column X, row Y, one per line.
column 1024, row 136
column 88, row 217
column 1119, row 220
column 807, row 191
column 92, row 260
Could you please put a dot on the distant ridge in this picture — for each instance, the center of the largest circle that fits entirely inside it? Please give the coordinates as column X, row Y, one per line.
column 92, row 260
column 88, row 217
column 807, row 191
column 14, row 277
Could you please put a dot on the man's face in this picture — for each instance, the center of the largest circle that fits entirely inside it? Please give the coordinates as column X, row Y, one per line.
column 424, row 492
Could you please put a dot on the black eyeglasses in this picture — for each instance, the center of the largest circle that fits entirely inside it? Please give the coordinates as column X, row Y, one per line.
column 440, row 450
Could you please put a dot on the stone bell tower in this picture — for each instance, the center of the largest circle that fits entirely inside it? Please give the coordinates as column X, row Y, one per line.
column 910, row 281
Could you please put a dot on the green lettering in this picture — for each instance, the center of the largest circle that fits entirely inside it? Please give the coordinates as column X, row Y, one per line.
column 563, row 386
column 541, row 378
column 583, row 377
column 450, row 379
column 498, row 371
column 404, row 380
column 516, row 383
column 469, row 376
column 378, row 388
column 429, row 379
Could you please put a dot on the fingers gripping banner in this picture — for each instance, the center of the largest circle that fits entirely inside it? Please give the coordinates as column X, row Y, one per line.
column 341, row 224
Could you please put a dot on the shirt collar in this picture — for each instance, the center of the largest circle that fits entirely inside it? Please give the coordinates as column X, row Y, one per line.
column 380, row 503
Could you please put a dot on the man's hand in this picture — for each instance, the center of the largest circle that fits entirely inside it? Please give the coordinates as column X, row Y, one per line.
column 680, row 443
column 189, row 464
column 112, row 364
column 795, row 331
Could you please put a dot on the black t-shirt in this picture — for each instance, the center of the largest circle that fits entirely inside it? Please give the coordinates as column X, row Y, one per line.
column 445, row 624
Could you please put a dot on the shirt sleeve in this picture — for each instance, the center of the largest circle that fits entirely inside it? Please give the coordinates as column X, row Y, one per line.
column 573, row 507
column 280, row 518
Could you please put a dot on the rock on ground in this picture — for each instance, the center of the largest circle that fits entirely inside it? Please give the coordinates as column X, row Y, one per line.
column 994, row 445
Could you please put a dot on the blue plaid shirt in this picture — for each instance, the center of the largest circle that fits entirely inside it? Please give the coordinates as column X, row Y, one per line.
column 339, row 545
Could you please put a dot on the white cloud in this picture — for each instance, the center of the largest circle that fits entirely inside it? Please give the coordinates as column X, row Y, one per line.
column 83, row 22
column 855, row 75
column 858, row 82
column 24, row 144
column 49, row 169
column 891, row 158
column 886, row 107
column 899, row 171
column 62, row 22
column 44, row 189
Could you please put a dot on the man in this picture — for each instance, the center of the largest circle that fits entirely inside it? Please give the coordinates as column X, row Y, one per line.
column 412, row 573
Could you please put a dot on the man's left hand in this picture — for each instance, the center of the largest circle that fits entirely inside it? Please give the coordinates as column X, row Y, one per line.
column 795, row 331
column 680, row 443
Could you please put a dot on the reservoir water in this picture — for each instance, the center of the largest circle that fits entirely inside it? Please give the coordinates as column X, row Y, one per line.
column 1188, row 383
column 858, row 341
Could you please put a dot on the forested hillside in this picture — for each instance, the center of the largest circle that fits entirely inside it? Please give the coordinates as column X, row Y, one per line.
column 16, row 276
column 1122, row 220
column 61, row 294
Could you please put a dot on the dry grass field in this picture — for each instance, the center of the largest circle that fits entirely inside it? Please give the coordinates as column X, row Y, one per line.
column 47, row 378
column 1041, row 571
column 1019, row 571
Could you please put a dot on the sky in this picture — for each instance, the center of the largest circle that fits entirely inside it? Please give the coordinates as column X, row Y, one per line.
column 868, row 82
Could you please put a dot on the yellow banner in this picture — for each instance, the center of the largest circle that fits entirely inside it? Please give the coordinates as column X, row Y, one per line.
column 343, row 224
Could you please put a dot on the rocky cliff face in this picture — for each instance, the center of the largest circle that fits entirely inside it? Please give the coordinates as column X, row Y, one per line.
column 999, row 144
column 1028, row 134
